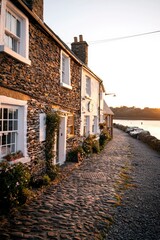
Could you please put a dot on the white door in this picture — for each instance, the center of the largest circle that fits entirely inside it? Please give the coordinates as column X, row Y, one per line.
column 62, row 141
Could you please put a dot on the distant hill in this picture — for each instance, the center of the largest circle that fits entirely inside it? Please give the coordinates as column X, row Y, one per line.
column 136, row 113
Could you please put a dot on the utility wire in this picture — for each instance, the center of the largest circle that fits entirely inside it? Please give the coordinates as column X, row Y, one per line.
column 121, row 38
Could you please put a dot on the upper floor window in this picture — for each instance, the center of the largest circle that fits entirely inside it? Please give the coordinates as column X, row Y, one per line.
column 88, row 86
column 14, row 33
column 65, row 71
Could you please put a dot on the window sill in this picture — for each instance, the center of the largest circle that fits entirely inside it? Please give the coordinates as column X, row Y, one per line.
column 15, row 55
column 66, row 85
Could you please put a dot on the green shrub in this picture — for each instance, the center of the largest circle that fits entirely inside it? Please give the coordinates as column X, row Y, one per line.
column 76, row 154
column 104, row 137
column 95, row 146
column 53, row 171
column 87, row 145
column 13, row 179
column 46, row 180
column 91, row 145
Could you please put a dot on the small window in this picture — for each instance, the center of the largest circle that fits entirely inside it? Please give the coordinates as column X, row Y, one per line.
column 65, row 71
column 88, row 86
column 70, row 125
column 94, row 125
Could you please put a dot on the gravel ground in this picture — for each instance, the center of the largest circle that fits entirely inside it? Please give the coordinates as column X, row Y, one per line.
column 138, row 218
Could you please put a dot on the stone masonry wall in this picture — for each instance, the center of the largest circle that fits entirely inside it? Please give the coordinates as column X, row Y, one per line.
column 41, row 81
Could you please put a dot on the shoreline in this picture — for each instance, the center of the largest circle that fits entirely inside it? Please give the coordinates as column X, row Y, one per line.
column 143, row 136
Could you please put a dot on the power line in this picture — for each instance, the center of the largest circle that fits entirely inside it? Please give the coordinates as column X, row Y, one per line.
column 124, row 37
column 121, row 38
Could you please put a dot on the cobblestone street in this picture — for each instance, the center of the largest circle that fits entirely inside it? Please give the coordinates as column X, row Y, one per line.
column 82, row 206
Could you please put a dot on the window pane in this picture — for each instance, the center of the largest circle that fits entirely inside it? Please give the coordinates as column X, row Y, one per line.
column 13, row 137
column 8, row 21
column 10, row 125
column 18, row 28
column 0, row 113
column 5, row 113
column 9, row 138
column 5, row 126
column 10, row 114
column 0, row 125
column 15, row 125
column 13, row 25
column 4, row 140
column 16, row 114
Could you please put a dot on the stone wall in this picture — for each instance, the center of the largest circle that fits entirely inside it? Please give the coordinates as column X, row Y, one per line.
column 41, row 82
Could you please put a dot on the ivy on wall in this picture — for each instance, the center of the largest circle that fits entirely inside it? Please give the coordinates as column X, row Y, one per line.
column 52, row 128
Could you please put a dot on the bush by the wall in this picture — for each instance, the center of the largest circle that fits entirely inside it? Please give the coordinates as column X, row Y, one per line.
column 13, row 180
column 104, row 137
column 76, row 154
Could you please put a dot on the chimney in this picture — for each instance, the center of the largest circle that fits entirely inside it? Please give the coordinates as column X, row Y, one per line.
column 80, row 48
column 36, row 6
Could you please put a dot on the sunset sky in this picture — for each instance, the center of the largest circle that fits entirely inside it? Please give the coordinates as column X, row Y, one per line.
column 129, row 67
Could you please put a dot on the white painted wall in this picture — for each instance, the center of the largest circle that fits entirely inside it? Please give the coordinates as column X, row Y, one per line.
column 90, row 104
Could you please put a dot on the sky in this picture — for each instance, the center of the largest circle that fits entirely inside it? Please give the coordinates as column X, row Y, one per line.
column 129, row 67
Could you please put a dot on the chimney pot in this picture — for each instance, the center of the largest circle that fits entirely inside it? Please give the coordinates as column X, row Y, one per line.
column 81, row 38
column 75, row 39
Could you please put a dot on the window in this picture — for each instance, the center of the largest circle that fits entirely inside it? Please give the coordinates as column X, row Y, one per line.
column 65, row 71
column 8, row 130
column 86, row 126
column 14, row 28
column 94, row 125
column 13, row 127
column 88, row 86
column 70, row 125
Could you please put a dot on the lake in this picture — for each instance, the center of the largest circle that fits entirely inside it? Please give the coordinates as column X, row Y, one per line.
column 152, row 126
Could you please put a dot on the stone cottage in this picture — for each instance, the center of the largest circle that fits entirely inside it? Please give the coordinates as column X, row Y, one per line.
column 39, row 74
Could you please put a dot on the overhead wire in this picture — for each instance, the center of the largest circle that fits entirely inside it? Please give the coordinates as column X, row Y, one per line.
column 121, row 38
column 124, row 37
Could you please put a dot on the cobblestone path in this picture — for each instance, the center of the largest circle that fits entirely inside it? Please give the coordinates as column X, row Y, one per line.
column 82, row 206
column 138, row 218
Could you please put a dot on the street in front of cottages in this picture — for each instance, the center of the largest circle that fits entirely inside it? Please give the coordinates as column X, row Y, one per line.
column 83, row 205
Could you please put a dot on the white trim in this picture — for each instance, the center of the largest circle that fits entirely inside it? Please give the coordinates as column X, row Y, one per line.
column 12, row 101
column 14, row 54
column 66, row 85
column 67, row 73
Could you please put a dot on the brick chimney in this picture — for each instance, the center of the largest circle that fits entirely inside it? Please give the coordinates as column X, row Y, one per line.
column 36, row 6
column 80, row 48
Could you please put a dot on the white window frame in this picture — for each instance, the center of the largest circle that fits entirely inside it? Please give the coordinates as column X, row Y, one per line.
column 23, row 53
column 65, row 79
column 22, row 124
column 88, row 86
